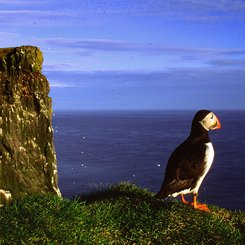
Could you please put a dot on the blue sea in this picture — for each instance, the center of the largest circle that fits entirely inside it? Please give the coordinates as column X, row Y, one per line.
column 97, row 148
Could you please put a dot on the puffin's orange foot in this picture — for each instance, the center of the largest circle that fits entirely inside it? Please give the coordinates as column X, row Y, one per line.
column 183, row 199
column 199, row 206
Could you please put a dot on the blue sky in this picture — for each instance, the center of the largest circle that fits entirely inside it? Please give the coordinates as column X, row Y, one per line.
column 134, row 54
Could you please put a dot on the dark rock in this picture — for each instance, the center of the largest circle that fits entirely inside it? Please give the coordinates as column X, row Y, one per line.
column 27, row 155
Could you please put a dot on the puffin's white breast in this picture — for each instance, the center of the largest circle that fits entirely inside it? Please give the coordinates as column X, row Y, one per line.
column 208, row 160
column 209, row 156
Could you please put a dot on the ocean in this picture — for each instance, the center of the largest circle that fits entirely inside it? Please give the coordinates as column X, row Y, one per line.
column 98, row 148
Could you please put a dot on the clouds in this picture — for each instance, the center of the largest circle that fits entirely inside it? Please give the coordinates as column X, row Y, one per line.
column 123, row 45
column 129, row 52
column 124, row 54
column 165, row 79
column 93, row 44
column 172, row 89
column 228, row 63
column 35, row 17
column 80, row 13
column 169, row 89
column 35, row 14
column 168, row 8
column 58, row 84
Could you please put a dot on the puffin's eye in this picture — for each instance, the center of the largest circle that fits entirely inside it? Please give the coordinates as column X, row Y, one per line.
column 212, row 116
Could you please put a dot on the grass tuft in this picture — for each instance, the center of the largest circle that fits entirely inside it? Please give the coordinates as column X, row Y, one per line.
column 120, row 214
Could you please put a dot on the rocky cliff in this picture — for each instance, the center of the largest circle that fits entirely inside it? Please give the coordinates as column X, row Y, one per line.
column 27, row 156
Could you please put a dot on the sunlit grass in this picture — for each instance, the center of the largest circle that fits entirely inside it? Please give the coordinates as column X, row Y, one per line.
column 121, row 214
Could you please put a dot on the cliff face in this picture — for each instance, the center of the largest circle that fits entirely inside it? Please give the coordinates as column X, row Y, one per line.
column 27, row 156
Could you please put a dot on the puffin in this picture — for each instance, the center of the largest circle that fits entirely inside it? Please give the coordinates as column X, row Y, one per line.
column 190, row 161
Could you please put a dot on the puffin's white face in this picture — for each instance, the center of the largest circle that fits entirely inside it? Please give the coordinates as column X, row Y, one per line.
column 210, row 122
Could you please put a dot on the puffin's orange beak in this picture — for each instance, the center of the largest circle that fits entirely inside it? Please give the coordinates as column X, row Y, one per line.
column 217, row 124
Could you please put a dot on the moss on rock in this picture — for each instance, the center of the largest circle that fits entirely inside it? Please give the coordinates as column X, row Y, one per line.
column 27, row 155
column 21, row 59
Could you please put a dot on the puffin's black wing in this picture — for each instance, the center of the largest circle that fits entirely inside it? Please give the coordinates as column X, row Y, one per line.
column 184, row 167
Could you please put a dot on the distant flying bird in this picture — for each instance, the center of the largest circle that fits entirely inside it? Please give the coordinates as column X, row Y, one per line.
column 190, row 161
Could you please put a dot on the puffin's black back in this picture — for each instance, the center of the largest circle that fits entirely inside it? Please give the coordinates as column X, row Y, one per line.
column 186, row 163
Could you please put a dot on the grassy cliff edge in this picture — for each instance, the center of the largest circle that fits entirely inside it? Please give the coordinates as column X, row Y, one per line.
column 120, row 214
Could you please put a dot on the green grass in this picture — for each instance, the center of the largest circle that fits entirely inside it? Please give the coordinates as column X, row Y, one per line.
column 121, row 214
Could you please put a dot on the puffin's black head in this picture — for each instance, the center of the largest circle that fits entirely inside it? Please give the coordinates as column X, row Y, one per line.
column 205, row 119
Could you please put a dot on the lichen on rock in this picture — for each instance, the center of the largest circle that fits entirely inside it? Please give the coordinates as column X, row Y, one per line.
column 27, row 155
column 21, row 59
